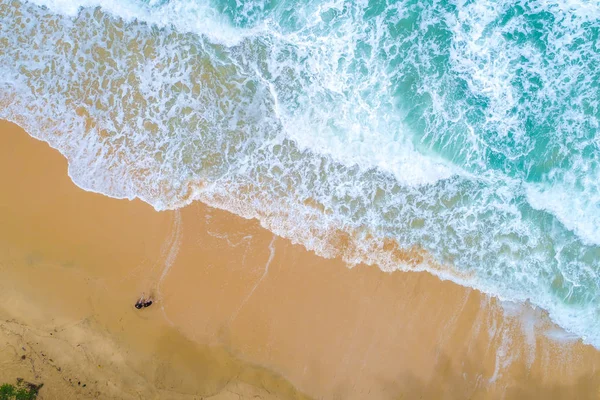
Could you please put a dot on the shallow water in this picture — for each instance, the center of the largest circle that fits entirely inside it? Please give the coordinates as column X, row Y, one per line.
column 466, row 128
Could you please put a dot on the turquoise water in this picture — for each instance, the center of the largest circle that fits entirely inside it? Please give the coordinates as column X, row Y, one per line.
column 467, row 128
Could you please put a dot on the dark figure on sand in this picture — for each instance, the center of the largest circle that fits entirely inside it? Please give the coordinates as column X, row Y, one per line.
column 143, row 303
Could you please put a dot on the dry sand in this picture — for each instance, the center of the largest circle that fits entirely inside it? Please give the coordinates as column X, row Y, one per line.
column 240, row 313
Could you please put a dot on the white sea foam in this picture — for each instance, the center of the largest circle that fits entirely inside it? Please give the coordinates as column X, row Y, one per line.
column 189, row 16
column 578, row 210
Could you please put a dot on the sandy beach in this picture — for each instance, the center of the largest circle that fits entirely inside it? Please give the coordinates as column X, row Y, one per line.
column 239, row 312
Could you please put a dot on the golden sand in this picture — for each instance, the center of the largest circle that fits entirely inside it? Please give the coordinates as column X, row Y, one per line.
column 240, row 313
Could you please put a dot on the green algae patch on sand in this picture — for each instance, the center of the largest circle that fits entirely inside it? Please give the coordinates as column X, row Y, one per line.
column 21, row 391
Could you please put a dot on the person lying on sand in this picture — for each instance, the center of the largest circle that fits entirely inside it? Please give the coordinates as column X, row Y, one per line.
column 139, row 304
column 143, row 303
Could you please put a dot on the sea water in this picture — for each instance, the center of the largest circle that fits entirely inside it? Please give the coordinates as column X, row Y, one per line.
column 468, row 129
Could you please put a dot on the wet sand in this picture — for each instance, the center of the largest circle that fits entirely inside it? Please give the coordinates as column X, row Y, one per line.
column 239, row 311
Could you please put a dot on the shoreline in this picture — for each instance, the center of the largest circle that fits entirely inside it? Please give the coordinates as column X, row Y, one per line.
column 235, row 299
column 418, row 259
